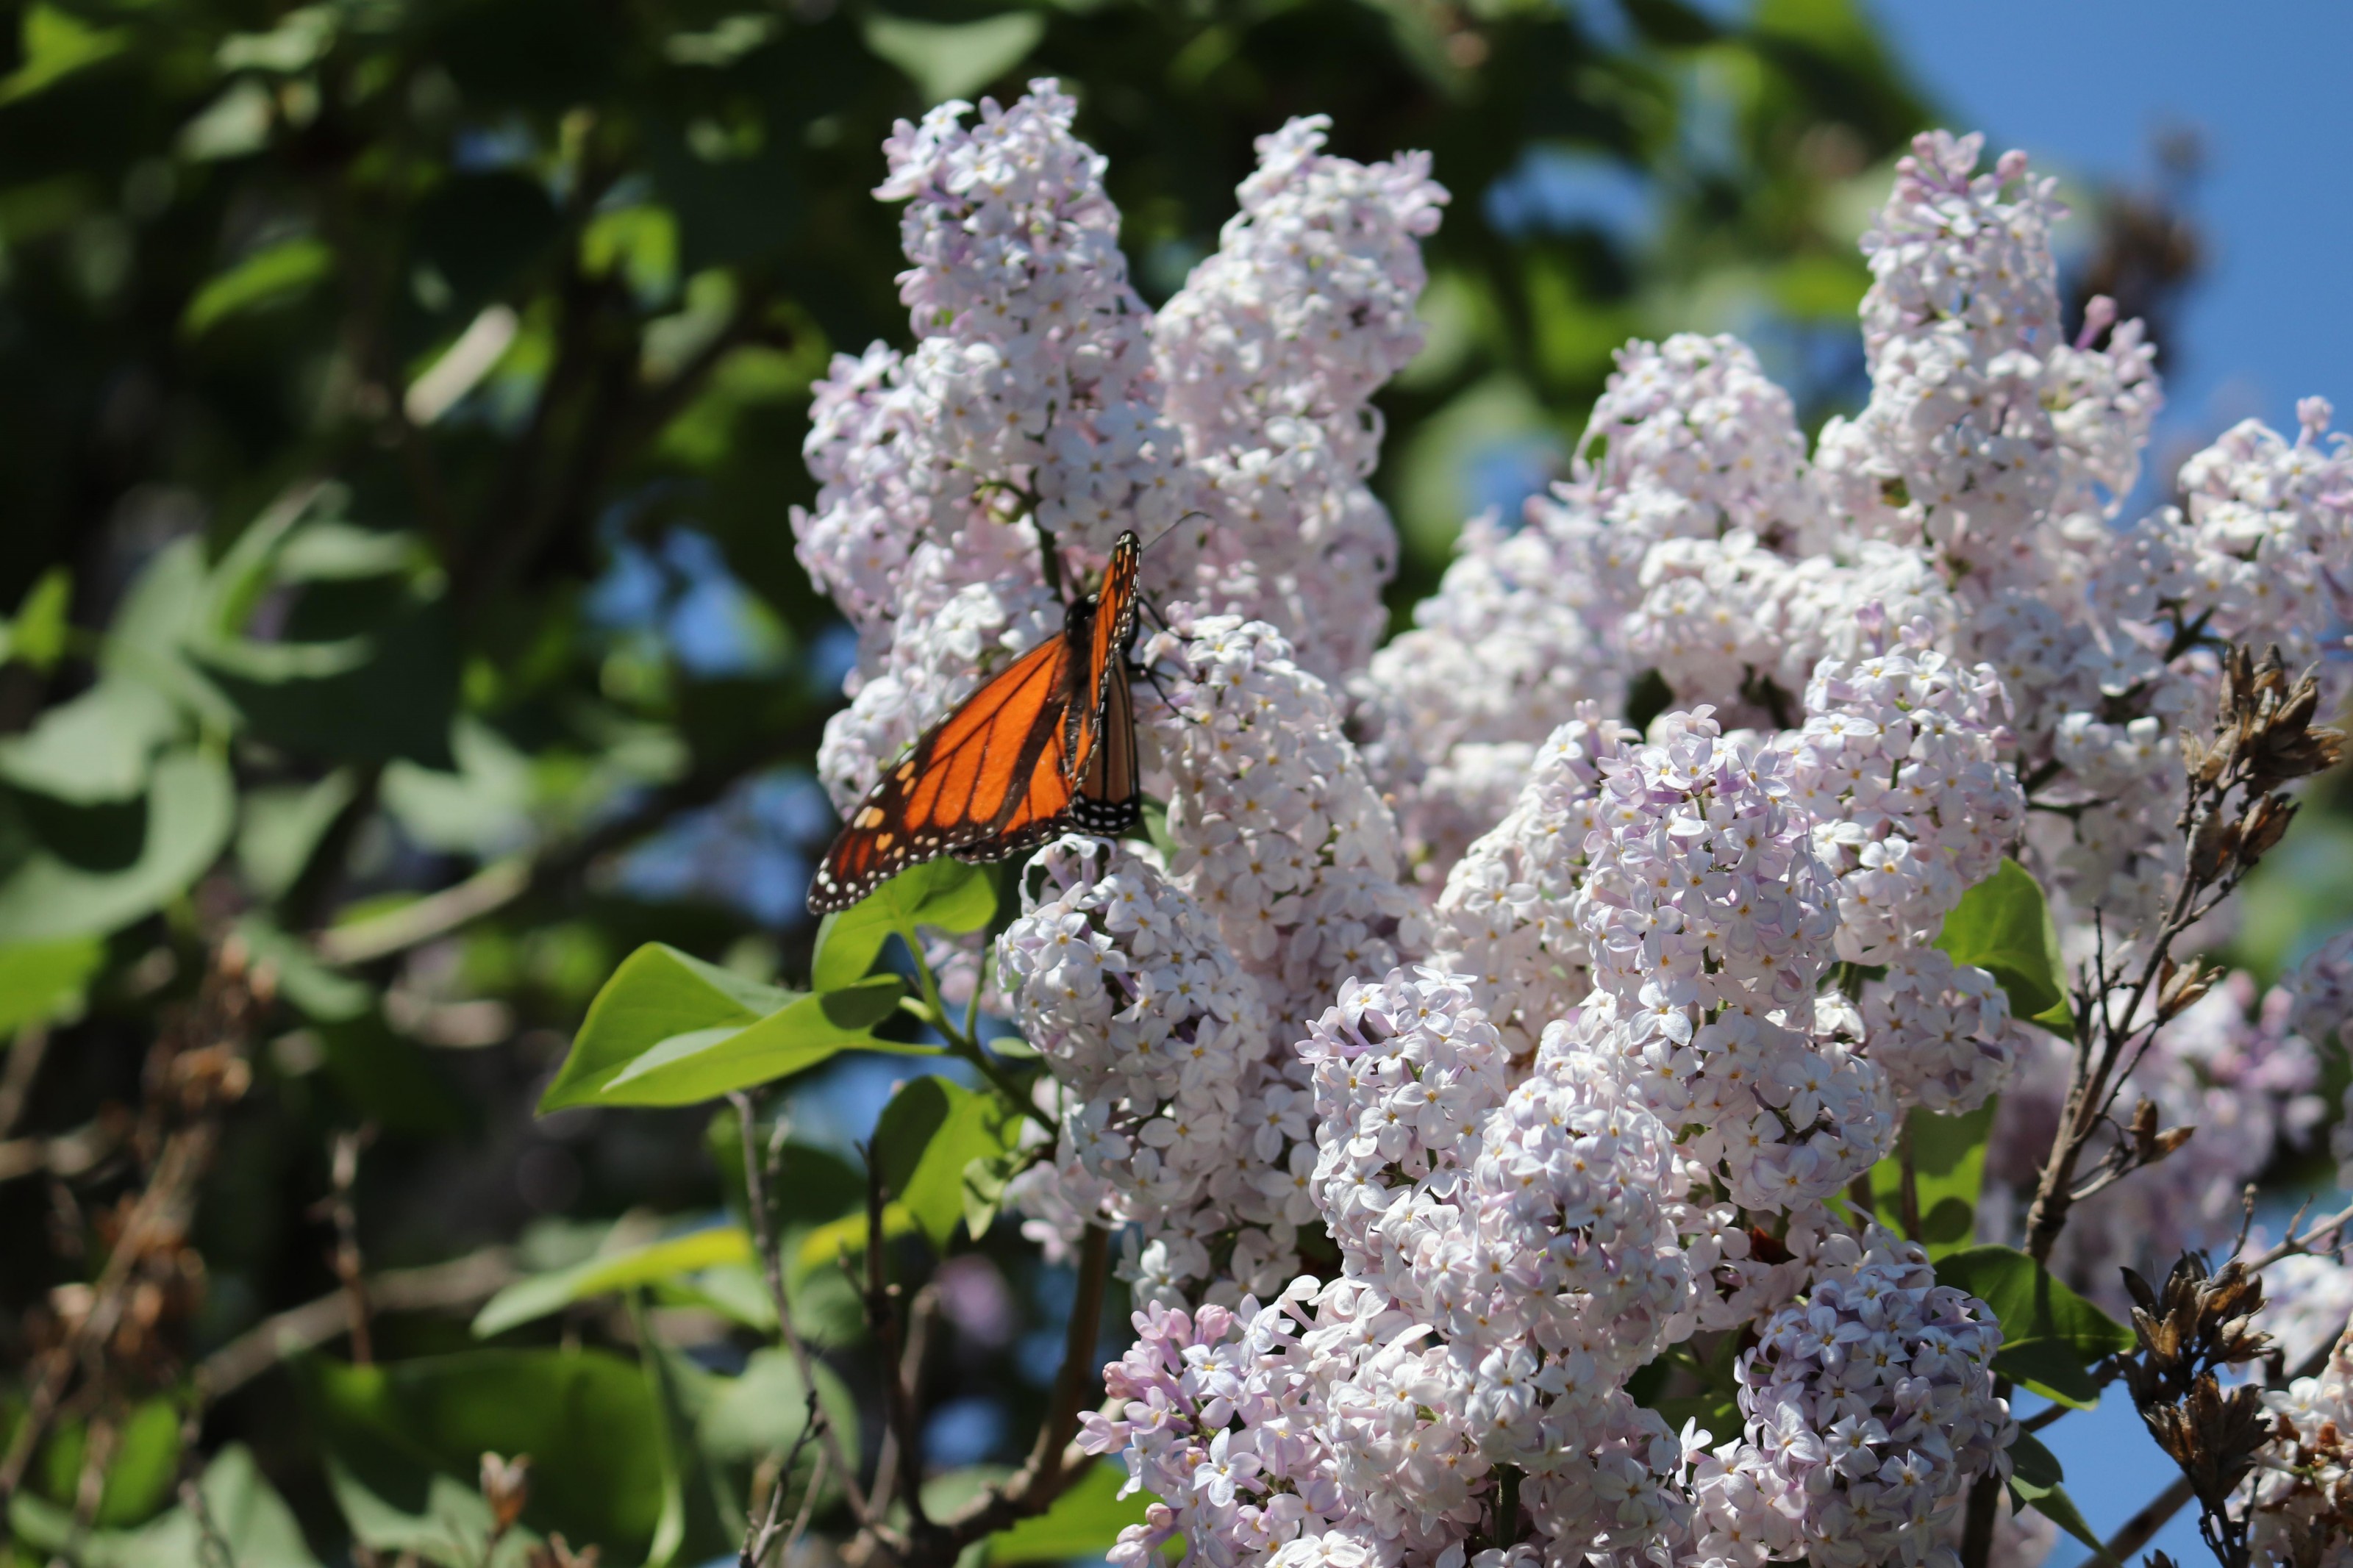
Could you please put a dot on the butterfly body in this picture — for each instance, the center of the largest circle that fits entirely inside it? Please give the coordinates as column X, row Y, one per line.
column 1045, row 746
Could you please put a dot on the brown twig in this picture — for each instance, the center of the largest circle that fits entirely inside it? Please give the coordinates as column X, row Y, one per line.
column 2233, row 812
column 2263, row 739
column 2294, row 1244
column 920, row 1314
column 24, row 1057
column 195, row 1072
column 883, row 1319
column 761, row 1536
column 2142, row 1527
column 1053, row 1458
column 349, row 1267
column 66, row 1154
column 772, row 1270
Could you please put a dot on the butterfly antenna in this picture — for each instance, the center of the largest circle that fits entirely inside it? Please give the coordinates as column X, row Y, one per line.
column 1173, row 527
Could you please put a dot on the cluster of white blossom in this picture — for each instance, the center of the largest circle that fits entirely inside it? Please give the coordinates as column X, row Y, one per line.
column 1730, row 623
column 1868, row 1407
column 1571, row 1039
column 1278, row 831
column 2302, row 1508
column 1898, row 765
column 1507, row 916
column 1151, row 1030
column 1452, row 710
column 1940, row 1030
column 1509, row 1259
column 2322, row 989
column 1044, row 410
column 1271, row 352
column 1689, row 440
column 1218, row 1422
column 1710, row 925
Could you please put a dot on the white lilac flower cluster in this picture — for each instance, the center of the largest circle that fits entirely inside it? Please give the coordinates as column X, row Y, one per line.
column 1044, row 410
column 1271, row 353
column 1710, row 924
column 1507, row 916
column 1452, row 710
column 1566, row 1038
column 1152, row 1033
column 2302, row 1505
column 1278, row 830
column 1898, row 765
column 1869, row 1406
column 1217, row 1423
column 2321, row 991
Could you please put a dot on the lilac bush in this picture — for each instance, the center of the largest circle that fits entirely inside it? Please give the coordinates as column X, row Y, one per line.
column 1468, row 1075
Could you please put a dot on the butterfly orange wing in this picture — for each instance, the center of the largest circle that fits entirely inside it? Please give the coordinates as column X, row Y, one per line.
column 994, row 764
column 1106, row 799
column 1046, row 744
column 1110, row 635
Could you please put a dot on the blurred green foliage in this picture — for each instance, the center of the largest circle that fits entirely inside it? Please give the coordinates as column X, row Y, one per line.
column 400, row 404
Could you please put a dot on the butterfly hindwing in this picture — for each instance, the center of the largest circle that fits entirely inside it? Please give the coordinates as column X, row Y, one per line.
column 1111, row 633
column 1106, row 798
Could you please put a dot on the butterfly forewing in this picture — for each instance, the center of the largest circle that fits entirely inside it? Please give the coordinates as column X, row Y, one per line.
column 1046, row 744
column 950, row 791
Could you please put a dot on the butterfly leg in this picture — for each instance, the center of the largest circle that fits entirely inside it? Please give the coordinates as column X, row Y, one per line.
column 1152, row 679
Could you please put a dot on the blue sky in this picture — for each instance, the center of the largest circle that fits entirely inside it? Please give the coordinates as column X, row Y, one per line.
column 2082, row 85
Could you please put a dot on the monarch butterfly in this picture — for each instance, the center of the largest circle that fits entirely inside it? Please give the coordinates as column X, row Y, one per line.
column 1045, row 744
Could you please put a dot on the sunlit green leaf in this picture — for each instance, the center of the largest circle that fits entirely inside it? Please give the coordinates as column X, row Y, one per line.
column 1083, row 1523
column 704, row 1064
column 657, row 994
column 2003, row 925
column 943, row 894
column 94, row 747
column 669, row 1029
column 37, row 636
column 55, row 43
column 529, row 1299
column 928, row 1134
